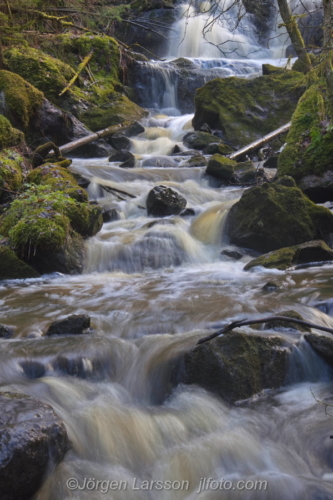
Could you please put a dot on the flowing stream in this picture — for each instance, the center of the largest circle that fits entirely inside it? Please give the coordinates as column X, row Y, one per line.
column 153, row 287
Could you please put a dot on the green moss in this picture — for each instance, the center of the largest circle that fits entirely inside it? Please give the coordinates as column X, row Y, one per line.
column 22, row 99
column 221, row 167
column 119, row 109
column 272, row 216
column 11, row 176
column 46, row 73
column 248, row 109
column 9, row 136
column 59, row 179
column 11, row 267
column 309, row 148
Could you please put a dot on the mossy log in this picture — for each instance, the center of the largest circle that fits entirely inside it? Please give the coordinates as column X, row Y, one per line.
column 70, row 146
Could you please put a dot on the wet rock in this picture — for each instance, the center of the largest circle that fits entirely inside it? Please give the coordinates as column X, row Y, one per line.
column 130, row 163
column 188, row 212
column 319, row 188
column 322, row 344
column 33, row 369
column 157, row 250
column 120, row 141
column 271, row 162
column 72, row 325
column 188, row 152
column 83, row 182
column 246, row 173
column 221, row 168
column 272, row 216
column 159, row 162
column 12, row 268
column 270, row 287
column 285, row 258
column 176, row 149
column 244, row 109
column 110, row 215
column 95, row 222
column 195, row 161
column 232, row 254
column 199, row 140
column 217, row 148
column 32, row 440
column 132, row 130
column 163, row 201
column 236, row 366
column 121, row 156
column 281, row 325
column 6, row 332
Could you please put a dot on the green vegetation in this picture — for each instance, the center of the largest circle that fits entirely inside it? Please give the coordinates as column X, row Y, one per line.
column 221, row 167
column 11, row 267
column 9, row 136
column 11, row 177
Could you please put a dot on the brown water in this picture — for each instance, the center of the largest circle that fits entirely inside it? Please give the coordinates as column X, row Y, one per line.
column 152, row 292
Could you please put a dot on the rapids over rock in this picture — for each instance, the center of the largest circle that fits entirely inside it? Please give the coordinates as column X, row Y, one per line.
column 152, row 288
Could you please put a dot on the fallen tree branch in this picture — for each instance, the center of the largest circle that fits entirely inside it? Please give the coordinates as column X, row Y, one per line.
column 81, row 67
column 260, row 142
column 70, row 146
column 246, row 322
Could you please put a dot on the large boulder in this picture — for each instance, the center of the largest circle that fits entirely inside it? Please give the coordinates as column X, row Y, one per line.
column 12, row 268
column 285, row 258
column 32, row 441
column 231, row 172
column 308, row 154
column 163, row 201
column 274, row 216
column 72, row 325
column 245, row 110
column 236, row 366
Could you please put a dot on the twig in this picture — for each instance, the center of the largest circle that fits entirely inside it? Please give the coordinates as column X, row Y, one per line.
column 246, row 322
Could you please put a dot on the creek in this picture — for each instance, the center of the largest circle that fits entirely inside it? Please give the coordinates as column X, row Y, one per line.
column 153, row 287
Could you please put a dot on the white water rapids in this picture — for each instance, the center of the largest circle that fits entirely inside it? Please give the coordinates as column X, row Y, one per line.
column 153, row 287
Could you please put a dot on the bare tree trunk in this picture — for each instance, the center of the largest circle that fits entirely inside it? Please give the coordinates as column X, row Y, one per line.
column 328, row 52
column 295, row 34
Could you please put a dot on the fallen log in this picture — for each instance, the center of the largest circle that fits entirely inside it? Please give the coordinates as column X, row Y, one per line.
column 70, row 146
column 260, row 142
column 247, row 322
column 81, row 67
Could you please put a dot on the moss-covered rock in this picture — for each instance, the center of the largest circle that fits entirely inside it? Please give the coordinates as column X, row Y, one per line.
column 245, row 110
column 46, row 73
column 9, row 136
column 270, row 217
column 11, row 176
column 309, row 149
column 12, row 268
column 199, row 140
column 117, row 110
column 19, row 101
column 217, row 148
column 236, row 366
column 221, row 167
column 285, row 258
column 59, row 179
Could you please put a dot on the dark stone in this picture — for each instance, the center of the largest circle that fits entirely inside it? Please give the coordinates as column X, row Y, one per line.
column 217, row 148
column 121, row 156
column 195, row 161
column 6, row 332
column 130, row 163
column 270, row 287
column 272, row 216
column 271, row 162
column 199, row 140
column 159, row 162
column 322, row 344
column 12, row 268
column 281, row 325
column 188, row 152
column 205, row 128
column 236, row 366
column 33, row 369
column 176, row 149
column 163, row 201
column 72, row 325
column 82, row 181
column 188, row 212
column 319, row 188
column 110, row 215
column 32, row 440
column 233, row 254
column 120, row 141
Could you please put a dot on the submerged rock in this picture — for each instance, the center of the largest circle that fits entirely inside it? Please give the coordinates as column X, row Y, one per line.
column 246, row 110
column 272, row 216
column 121, row 156
column 236, row 366
column 110, row 215
column 159, row 162
column 32, row 441
column 130, row 163
column 232, row 254
column 270, row 287
column 6, row 332
column 322, row 344
column 73, row 325
column 163, row 201
column 285, row 258
column 200, row 140
column 280, row 324
column 195, row 161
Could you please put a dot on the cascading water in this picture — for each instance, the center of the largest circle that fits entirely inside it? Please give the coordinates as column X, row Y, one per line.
column 153, row 287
